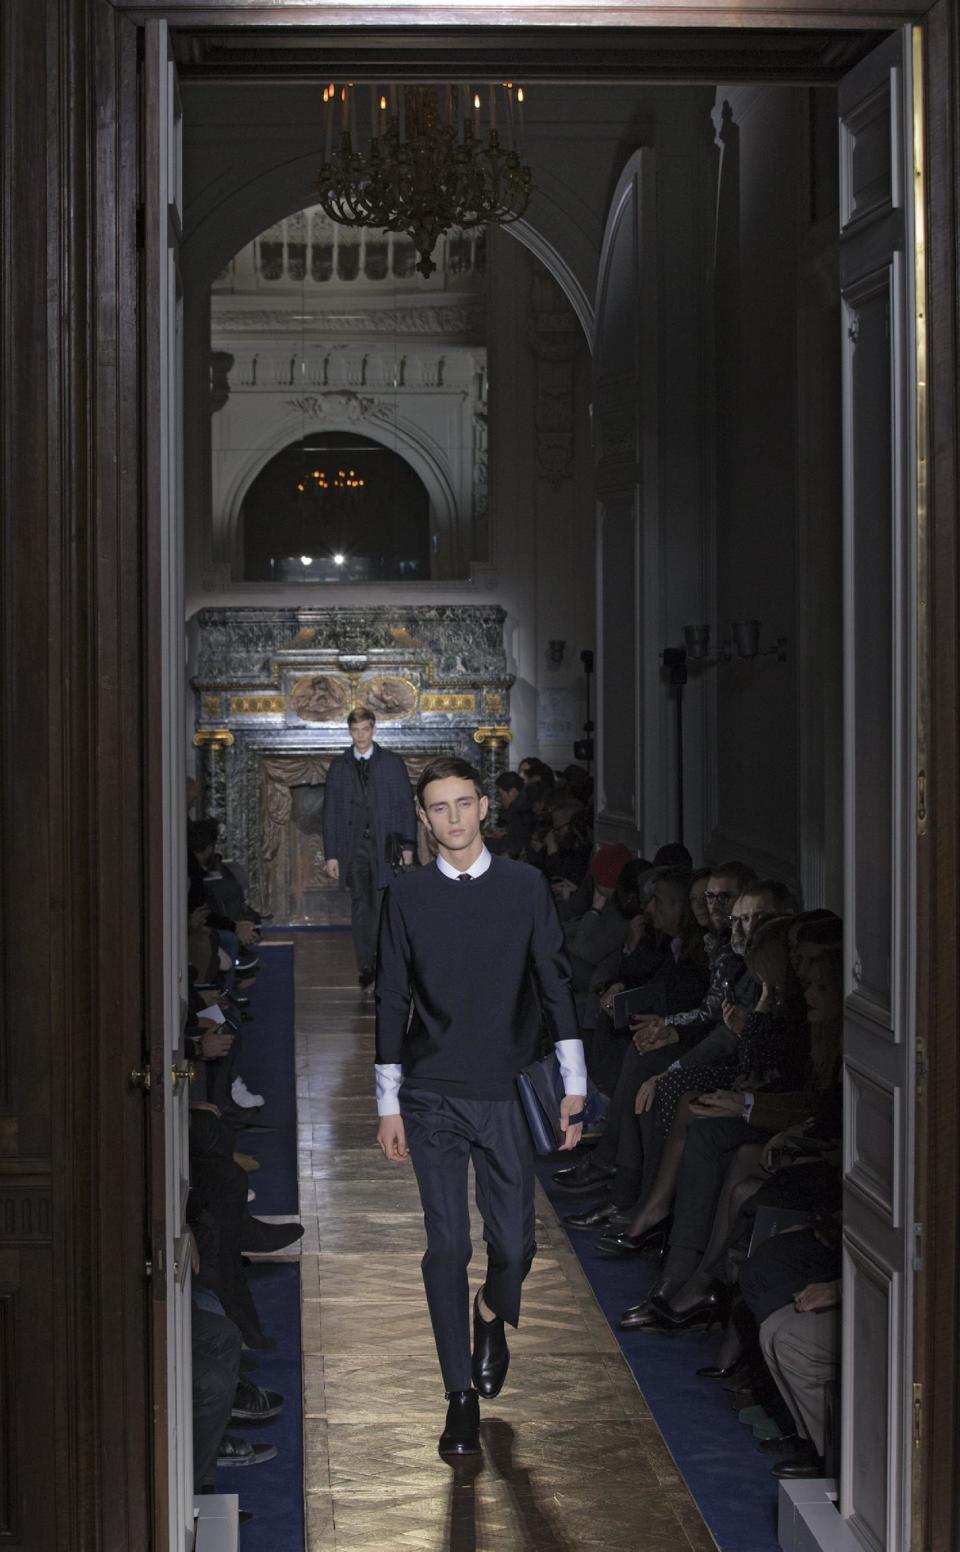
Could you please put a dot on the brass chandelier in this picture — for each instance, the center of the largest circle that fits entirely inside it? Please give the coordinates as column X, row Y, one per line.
column 435, row 159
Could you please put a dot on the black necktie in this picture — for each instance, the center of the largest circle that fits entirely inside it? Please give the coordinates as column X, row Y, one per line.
column 364, row 770
column 466, row 878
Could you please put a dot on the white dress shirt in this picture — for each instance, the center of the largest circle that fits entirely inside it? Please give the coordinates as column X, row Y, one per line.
column 365, row 754
column 573, row 1067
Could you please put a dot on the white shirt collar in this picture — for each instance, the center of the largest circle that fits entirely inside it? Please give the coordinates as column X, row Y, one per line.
column 367, row 753
column 475, row 870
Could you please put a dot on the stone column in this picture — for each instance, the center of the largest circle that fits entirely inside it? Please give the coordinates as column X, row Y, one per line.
column 494, row 742
column 213, row 744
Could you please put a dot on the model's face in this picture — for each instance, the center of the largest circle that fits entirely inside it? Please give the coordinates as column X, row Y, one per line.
column 362, row 735
column 453, row 813
column 698, row 904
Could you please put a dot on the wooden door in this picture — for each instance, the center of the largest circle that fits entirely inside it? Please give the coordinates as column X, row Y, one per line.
column 881, row 1245
column 168, row 1094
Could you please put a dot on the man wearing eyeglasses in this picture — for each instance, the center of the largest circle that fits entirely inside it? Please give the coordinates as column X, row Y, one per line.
column 727, row 970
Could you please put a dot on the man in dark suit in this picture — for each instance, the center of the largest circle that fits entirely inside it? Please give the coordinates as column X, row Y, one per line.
column 369, row 821
column 472, row 962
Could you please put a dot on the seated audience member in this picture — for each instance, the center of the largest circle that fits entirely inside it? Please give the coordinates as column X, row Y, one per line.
column 710, row 1126
column 242, row 934
column 797, row 1169
column 791, row 1286
column 673, row 855
column 531, row 769
column 579, row 783
column 563, row 853
column 222, row 1224
column 595, row 938
column 526, row 810
column 658, row 1042
column 668, row 972
column 503, row 835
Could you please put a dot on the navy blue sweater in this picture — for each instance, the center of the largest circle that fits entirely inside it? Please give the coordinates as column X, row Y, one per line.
column 484, row 967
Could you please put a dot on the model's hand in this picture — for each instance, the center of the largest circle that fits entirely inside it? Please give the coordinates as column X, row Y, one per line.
column 332, row 869
column 392, row 1139
column 571, row 1104
column 646, row 1094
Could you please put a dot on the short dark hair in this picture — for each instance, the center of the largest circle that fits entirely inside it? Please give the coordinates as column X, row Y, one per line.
column 784, row 899
column 673, row 855
column 741, row 872
column 509, row 781
column 361, row 714
column 444, row 766
column 539, row 770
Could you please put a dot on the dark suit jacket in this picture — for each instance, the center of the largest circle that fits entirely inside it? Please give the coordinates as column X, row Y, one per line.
column 391, row 808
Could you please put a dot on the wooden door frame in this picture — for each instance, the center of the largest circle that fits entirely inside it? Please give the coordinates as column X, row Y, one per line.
column 75, row 708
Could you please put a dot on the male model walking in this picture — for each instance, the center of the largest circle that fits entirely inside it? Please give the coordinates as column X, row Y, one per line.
column 367, row 805
column 475, row 944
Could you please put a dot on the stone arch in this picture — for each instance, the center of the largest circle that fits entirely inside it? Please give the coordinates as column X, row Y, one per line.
column 401, row 437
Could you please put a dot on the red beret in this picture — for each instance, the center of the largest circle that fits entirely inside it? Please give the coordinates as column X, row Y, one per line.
column 608, row 862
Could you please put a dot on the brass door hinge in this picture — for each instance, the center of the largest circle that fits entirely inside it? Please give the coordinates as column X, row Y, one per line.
column 917, row 1414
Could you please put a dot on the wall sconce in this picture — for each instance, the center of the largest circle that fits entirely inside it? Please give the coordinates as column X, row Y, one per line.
column 745, row 642
column 555, row 651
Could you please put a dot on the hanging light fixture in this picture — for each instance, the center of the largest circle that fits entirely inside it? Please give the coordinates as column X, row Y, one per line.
column 429, row 165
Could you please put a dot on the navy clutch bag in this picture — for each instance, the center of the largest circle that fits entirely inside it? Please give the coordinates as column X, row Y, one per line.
column 540, row 1087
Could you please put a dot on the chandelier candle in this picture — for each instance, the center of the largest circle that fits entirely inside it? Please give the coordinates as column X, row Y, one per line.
column 427, row 169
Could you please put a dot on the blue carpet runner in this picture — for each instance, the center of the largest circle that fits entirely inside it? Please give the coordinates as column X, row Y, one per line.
column 716, row 1455
column 274, row 1490
column 268, row 1065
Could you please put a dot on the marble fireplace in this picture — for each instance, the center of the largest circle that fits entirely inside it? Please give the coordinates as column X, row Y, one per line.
column 273, row 688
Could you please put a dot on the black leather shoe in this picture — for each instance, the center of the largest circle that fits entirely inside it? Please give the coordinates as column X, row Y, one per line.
column 609, row 1215
column 491, row 1355
column 642, row 1317
column 583, row 1179
column 264, row 1238
column 618, row 1244
column 461, row 1436
column 799, row 1466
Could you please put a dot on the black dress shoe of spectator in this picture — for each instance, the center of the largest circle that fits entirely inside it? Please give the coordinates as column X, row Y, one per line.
column 620, row 1243
column 583, row 1179
column 491, row 1355
column 262, row 1238
column 642, row 1317
column 246, row 961
column 461, row 1435
column 240, row 1000
column 240, row 1452
column 366, row 978
column 786, row 1444
column 608, row 1215
column 253, row 1404
column 805, row 1463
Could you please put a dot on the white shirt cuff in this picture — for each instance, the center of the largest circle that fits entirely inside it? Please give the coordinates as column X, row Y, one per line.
column 573, row 1066
column 748, row 1099
column 675, row 1066
column 389, row 1077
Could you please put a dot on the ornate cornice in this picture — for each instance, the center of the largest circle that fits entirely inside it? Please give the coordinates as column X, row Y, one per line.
column 452, row 320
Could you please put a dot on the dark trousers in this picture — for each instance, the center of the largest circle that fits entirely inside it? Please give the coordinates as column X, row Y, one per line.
column 217, row 1210
column 443, row 1134
column 782, row 1267
column 366, row 897
column 707, row 1152
column 216, row 1345
column 622, row 1144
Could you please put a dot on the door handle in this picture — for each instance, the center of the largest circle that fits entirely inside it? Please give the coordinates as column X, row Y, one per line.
column 182, row 1075
column 141, row 1080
